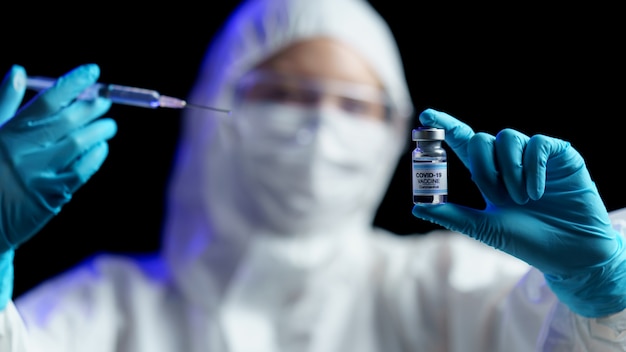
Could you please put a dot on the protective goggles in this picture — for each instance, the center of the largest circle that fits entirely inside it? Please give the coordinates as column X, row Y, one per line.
column 361, row 100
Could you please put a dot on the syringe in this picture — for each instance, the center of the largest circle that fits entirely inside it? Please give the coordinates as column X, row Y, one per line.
column 145, row 98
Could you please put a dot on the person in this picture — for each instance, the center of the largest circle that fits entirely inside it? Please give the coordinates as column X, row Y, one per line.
column 269, row 243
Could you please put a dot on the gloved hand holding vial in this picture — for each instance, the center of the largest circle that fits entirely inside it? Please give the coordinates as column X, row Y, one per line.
column 542, row 207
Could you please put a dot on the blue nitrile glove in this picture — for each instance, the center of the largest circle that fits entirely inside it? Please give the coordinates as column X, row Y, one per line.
column 541, row 207
column 6, row 277
column 48, row 149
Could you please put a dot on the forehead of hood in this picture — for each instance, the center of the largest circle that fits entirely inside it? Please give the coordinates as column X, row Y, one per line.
column 259, row 29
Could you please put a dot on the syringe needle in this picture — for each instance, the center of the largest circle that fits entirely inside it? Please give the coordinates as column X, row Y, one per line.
column 207, row 108
column 175, row 103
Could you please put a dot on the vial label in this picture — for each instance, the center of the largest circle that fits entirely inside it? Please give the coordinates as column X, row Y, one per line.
column 430, row 182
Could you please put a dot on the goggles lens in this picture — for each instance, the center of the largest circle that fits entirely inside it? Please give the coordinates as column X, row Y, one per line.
column 361, row 100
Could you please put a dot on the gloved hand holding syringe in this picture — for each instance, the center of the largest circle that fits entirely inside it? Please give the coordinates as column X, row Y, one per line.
column 125, row 95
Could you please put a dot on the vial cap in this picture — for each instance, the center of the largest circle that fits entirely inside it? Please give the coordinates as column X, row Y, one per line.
column 429, row 133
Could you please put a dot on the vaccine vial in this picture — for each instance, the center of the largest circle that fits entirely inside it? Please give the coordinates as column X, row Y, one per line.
column 430, row 167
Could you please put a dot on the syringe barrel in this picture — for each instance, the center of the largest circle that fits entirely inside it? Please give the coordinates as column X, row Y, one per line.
column 130, row 95
column 146, row 98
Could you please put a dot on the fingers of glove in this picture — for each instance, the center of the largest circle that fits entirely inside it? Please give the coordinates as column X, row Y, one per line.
column 539, row 151
column 482, row 165
column 64, row 91
column 458, row 134
column 12, row 91
column 78, row 114
column 510, row 145
column 89, row 163
column 59, row 192
column 77, row 144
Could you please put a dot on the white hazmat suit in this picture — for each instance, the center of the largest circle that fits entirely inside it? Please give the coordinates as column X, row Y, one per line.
column 245, row 271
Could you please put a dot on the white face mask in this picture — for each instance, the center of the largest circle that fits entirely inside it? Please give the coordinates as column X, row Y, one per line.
column 307, row 169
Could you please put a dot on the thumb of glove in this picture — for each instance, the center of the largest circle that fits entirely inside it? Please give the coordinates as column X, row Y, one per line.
column 12, row 91
column 456, row 218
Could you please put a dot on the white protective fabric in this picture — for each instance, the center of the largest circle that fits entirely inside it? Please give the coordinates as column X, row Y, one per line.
column 227, row 281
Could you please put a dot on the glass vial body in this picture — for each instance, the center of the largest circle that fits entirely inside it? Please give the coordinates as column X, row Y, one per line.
column 430, row 167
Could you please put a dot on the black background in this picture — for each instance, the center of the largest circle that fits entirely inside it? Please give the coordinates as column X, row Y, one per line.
column 557, row 71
